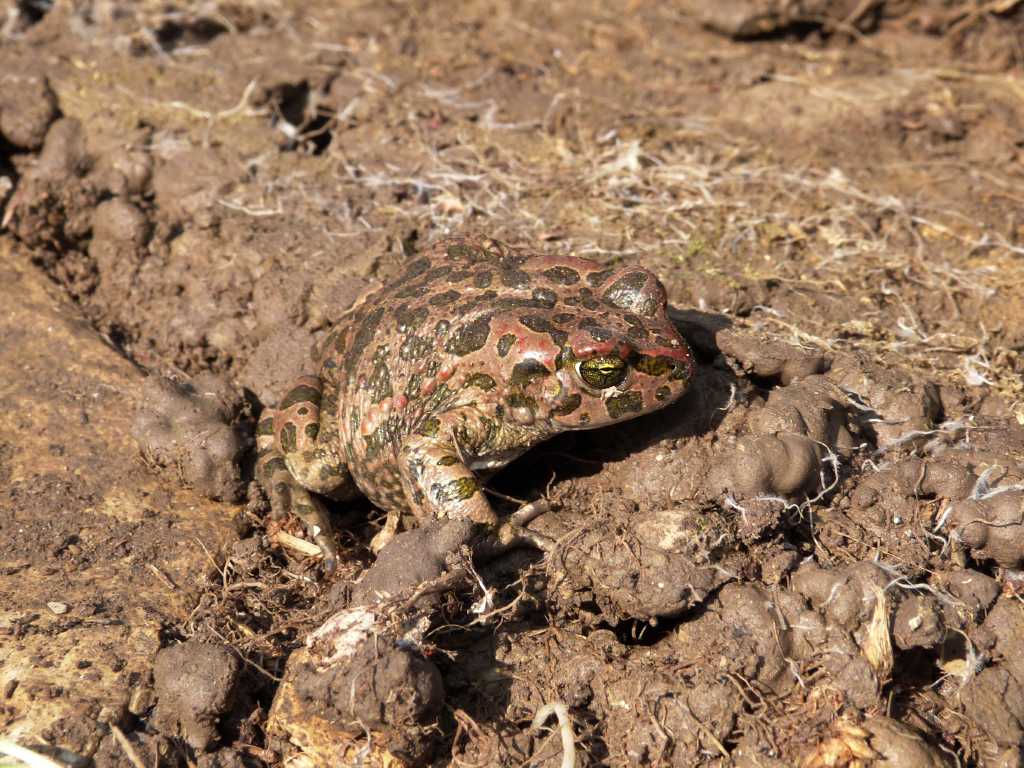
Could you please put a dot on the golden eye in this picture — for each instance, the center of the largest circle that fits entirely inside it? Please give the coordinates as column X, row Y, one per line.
column 603, row 372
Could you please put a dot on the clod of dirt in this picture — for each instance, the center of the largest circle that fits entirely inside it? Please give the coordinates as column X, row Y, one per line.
column 119, row 230
column 411, row 558
column 308, row 736
column 792, row 436
column 899, row 409
column 879, row 741
column 994, row 703
column 918, row 622
column 288, row 307
column 398, row 687
column 195, row 684
column 766, row 357
column 915, row 478
column 27, row 107
column 64, row 154
column 899, row 746
column 657, row 564
column 359, row 672
column 194, row 427
column 51, row 210
column 124, row 172
column 991, row 526
column 190, row 183
column 639, row 697
column 976, row 591
column 845, row 596
column 753, row 634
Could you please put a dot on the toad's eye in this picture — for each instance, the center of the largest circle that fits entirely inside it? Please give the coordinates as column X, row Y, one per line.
column 603, row 372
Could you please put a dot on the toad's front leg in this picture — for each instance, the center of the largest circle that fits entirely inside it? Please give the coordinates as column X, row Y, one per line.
column 440, row 486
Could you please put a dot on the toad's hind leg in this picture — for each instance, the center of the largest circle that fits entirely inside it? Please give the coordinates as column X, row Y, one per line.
column 299, row 456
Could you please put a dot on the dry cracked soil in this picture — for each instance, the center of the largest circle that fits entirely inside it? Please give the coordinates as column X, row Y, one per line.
column 812, row 559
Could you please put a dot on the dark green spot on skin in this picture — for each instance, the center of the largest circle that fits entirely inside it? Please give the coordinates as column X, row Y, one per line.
column 591, row 303
column 409, row 319
column 624, row 404
column 312, row 430
column 300, row 394
column 460, row 489
column 415, row 269
column 562, row 275
column 412, row 290
column 505, row 344
column 328, row 471
column 490, row 430
column 632, row 292
column 563, row 318
column 564, row 358
column 415, row 468
column 596, row 331
column 303, row 411
column 653, row 366
column 443, row 299
column 537, row 323
column 413, row 385
column 367, row 330
column 519, row 400
column 415, row 348
column 379, row 384
column 465, row 252
column 514, row 278
column 287, row 438
column 385, row 436
column 526, row 372
column 572, row 402
column 458, row 275
column 483, row 299
column 442, row 327
column 661, row 393
column 482, row 279
column 545, row 297
column 266, row 426
column 584, row 418
column 436, row 274
column 469, row 337
column 274, row 465
column 596, row 278
column 447, row 461
column 481, row 381
column 429, row 427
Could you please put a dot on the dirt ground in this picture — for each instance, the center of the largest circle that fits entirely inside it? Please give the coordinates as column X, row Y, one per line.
column 812, row 559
